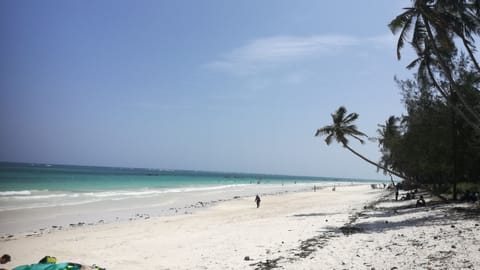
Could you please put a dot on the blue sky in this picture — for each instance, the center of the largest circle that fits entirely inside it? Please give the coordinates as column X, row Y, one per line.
column 237, row 86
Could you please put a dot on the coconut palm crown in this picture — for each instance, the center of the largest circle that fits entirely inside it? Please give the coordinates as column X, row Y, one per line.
column 341, row 128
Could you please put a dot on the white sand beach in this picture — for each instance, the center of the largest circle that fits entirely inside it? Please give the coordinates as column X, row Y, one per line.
column 302, row 230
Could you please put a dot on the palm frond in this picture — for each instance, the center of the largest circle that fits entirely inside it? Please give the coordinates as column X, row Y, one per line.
column 339, row 114
column 354, row 130
column 403, row 21
column 323, row 131
column 399, row 22
column 328, row 140
column 350, row 118
column 414, row 63
column 358, row 138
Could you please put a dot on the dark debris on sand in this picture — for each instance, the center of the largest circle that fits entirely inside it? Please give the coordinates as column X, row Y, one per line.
column 349, row 229
column 310, row 245
column 306, row 248
column 268, row 264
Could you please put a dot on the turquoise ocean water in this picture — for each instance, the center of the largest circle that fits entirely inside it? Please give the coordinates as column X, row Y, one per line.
column 36, row 185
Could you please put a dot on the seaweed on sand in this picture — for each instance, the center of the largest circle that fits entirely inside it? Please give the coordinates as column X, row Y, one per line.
column 268, row 264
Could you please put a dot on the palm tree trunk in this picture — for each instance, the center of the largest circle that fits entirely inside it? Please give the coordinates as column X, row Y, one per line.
column 373, row 163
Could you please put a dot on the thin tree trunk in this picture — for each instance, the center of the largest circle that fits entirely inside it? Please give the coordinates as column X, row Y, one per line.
column 454, row 149
column 373, row 163
column 391, row 179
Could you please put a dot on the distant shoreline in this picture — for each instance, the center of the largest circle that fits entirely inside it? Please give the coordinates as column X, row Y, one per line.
column 156, row 171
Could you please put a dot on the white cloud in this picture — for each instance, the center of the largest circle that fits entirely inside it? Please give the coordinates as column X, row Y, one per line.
column 272, row 51
column 383, row 41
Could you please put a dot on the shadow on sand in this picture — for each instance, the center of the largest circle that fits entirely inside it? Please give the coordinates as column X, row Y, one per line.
column 435, row 212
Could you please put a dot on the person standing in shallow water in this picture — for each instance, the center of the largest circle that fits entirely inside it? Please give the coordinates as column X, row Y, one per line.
column 257, row 200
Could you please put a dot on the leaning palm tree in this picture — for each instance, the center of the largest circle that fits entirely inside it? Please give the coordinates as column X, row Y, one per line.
column 343, row 126
column 461, row 18
column 432, row 25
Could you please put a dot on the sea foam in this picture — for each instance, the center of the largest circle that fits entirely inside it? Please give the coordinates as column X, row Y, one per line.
column 15, row 193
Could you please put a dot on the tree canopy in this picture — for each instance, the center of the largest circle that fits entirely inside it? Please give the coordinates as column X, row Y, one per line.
column 437, row 141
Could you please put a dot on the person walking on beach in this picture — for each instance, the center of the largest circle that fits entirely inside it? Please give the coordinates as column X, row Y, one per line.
column 257, row 200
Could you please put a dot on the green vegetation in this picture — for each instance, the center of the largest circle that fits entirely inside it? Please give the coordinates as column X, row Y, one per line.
column 437, row 143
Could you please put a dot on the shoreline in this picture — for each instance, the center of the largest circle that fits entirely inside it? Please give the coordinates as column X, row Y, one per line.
column 354, row 227
column 37, row 221
column 219, row 236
